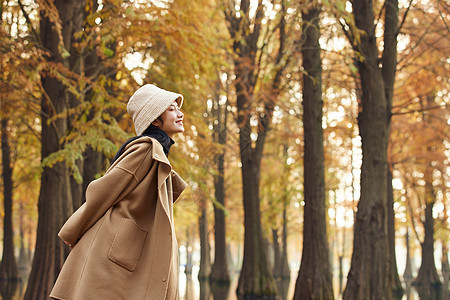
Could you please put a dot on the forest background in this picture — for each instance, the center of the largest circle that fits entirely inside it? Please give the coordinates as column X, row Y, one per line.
column 316, row 140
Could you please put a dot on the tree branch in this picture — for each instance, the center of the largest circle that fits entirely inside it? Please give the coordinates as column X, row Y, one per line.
column 442, row 17
column 404, row 17
column 30, row 25
column 420, row 110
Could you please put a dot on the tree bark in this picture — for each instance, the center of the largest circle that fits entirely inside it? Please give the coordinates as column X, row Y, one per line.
column 285, row 270
column 205, row 257
column 255, row 279
column 281, row 266
column 369, row 271
column 219, row 269
column 55, row 201
column 396, row 285
column 314, row 279
column 427, row 277
column 8, row 265
column 276, row 270
column 407, row 274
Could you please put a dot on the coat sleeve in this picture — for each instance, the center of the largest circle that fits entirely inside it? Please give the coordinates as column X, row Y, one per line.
column 178, row 185
column 105, row 192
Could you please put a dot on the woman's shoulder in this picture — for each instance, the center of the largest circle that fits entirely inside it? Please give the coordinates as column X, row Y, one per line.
column 136, row 153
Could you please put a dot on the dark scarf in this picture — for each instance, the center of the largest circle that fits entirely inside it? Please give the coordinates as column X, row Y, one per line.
column 154, row 132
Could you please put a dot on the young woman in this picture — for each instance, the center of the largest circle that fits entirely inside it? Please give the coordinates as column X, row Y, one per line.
column 123, row 238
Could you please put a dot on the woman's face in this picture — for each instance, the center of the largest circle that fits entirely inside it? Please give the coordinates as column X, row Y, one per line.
column 172, row 120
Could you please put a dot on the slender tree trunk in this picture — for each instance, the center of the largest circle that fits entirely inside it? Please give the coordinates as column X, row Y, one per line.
column 314, row 279
column 276, row 270
column 427, row 276
column 389, row 61
column 189, row 264
column 396, row 285
column 219, row 270
column 281, row 266
column 285, row 270
column 407, row 274
column 205, row 257
column 369, row 271
column 445, row 271
column 8, row 265
column 55, row 201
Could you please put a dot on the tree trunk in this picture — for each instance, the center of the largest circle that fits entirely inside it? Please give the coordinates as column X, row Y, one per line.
column 407, row 274
column 189, row 264
column 285, row 270
column 445, row 270
column 255, row 279
column 276, row 270
column 55, row 201
column 396, row 285
column 8, row 265
column 427, row 277
column 205, row 257
column 314, row 279
column 92, row 166
column 219, row 270
column 281, row 266
column 369, row 271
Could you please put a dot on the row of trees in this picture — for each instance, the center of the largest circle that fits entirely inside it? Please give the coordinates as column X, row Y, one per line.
column 279, row 91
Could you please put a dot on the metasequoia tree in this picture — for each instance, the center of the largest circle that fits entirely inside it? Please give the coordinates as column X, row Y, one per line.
column 427, row 280
column 8, row 265
column 251, row 32
column 314, row 279
column 369, row 271
column 205, row 257
column 219, row 270
column 59, row 21
column 394, row 279
column 255, row 277
column 417, row 141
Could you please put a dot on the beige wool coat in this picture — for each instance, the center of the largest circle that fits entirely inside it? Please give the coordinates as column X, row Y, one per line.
column 125, row 244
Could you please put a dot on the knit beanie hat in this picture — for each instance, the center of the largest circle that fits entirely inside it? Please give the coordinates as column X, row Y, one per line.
column 148, row 103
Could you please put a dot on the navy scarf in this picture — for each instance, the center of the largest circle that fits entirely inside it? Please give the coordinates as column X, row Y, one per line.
column 154, row 132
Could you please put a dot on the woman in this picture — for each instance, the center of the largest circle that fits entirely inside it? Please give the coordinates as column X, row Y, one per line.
column 123, row 239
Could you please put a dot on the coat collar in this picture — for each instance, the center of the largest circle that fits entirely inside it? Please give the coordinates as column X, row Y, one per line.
column 166, row 168
column 158, row 152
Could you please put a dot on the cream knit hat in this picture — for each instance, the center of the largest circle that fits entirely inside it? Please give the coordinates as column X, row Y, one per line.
column 148, row 103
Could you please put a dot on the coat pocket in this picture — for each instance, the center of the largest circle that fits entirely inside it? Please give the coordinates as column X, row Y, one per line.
column 127, row 245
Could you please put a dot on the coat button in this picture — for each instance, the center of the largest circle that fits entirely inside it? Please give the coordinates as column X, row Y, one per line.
column 156, row 155
column 164, row 279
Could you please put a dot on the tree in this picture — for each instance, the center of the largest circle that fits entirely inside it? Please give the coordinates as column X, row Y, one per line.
column 219, row 270
column 314, row 279
column 396, row 285
column 368, row 275
column 255, row 101
column 255, row 278
column 8, row 265
column 205, row 257
column 59, row 21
